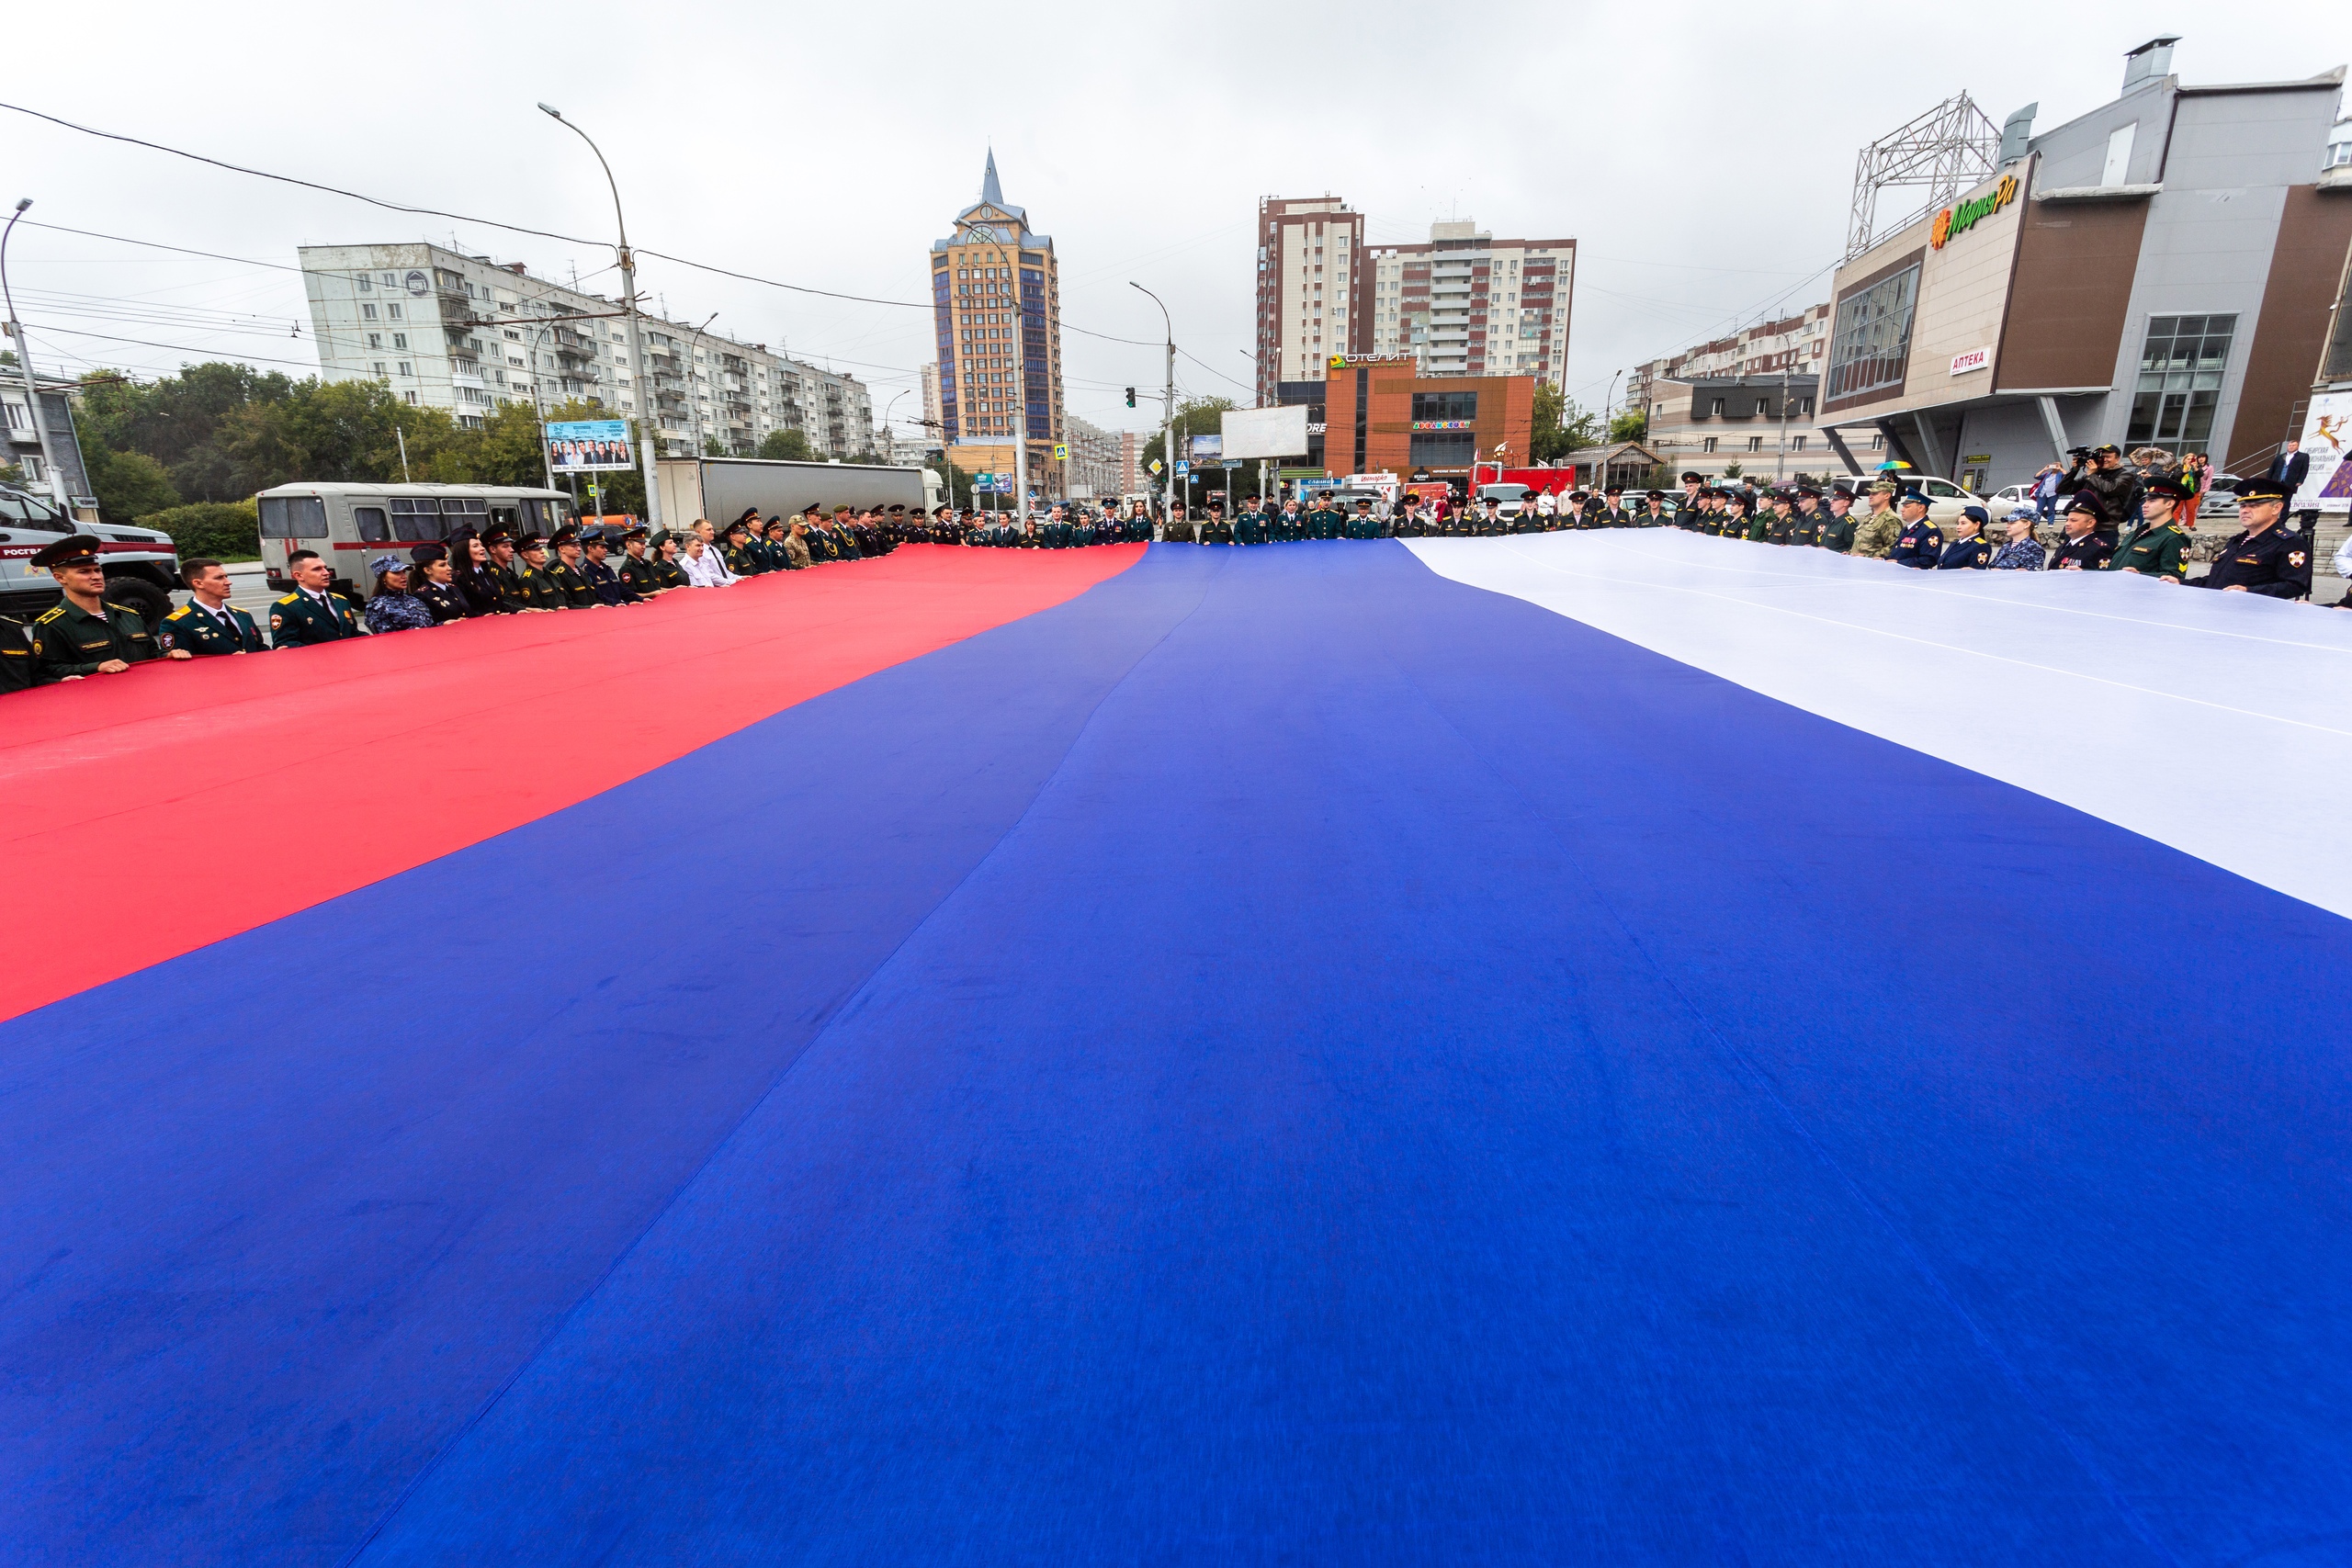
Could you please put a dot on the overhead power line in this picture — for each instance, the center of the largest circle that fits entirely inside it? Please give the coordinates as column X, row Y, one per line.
column 512, row 228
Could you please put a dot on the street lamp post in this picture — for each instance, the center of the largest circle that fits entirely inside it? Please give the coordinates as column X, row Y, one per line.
column 647, row 441
column 1168, row 407
column 25, row 368
column 694, row 346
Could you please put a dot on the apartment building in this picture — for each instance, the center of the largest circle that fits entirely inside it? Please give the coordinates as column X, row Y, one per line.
column 466, row 333
column 1312, row 289
column 1094, row 470
column 1468, row 304
column 1797, row 344
column 1136, row 453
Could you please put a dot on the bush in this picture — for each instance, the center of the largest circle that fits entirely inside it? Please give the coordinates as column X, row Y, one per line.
column 225, row 530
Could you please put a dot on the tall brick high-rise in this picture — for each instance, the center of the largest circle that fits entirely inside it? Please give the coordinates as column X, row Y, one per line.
column 1313, row 288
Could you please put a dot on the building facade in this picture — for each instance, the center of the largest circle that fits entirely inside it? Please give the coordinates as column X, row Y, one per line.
column 1382, row 417
column 2154, row 273
column 996, row 299
column 1312, row 288
column 70, row 483
column 1795, row 344
column 1094, row 470
column 466, row 333
column 1751, row 427
column 1468, row 304
column 1138, row 452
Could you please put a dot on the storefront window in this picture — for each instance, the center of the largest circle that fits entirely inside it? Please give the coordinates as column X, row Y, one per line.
column 2180, row 382
column 1873, row 342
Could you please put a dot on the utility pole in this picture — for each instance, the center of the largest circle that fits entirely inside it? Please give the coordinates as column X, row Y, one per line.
column 1781, row 459
column 1168, row 410
column 649, row 441
column 25, row 368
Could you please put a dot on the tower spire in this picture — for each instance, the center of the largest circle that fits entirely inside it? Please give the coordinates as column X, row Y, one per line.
column 989, row 192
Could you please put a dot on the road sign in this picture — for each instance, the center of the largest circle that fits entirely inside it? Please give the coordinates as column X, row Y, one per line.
column 983, row 481
column 1232, row 463
column 1061, row 452
column 1153, row 466
column 1182, row 468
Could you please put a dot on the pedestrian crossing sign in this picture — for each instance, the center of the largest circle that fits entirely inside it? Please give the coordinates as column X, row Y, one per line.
column 1061, row 452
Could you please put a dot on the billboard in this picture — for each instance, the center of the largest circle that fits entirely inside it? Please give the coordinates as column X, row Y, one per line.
column 2328, row 441
column 589, row 446
column 1207, row 448
column 1266, row 433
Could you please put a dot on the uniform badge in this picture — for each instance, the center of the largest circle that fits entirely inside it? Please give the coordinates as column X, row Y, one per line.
column 2294, row 558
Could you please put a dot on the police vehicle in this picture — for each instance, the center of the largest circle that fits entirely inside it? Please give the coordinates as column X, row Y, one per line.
column 351, row 524
column 142, row 565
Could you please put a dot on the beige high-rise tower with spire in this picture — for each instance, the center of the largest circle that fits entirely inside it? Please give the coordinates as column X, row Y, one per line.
column 996, row 300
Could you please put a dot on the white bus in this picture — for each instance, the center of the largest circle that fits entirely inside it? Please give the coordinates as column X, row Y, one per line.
column 351, row 524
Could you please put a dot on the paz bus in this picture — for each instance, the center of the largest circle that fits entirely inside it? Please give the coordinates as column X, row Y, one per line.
column 351, row 524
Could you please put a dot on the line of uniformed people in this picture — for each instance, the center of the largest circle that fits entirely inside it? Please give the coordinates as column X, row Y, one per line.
column 493, row 572
column 1064, row 527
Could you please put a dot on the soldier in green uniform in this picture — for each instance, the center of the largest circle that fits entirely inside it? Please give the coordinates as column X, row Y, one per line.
column 1781, row 523
column 564, row 571
column 2154, row 546
column 1653, row 511
column 81, row 634
column 646, row 570
column 1837, row 529
column 735, row 549
column 311, row 614
column 526, row 584
column 207, row 624
column 16, row 655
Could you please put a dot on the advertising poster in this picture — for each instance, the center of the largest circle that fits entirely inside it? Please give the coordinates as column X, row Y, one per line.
column 589, row 446
column 2327, row 431
column 1208, row 448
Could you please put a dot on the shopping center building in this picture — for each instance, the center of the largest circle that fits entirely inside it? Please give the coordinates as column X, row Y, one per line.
column 2158, row 272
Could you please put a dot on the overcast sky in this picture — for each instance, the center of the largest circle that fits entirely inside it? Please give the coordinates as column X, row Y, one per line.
column 1702, row 155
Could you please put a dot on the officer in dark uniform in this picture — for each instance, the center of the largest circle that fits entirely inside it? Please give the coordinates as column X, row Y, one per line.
column 1805, row 527
column 83, row 635
column 2083, row 548
column 2154, row 546
column 207, row 624
column 1781, row 523
column 1613, row 514
column 438, row 590
column 531, row 587
column 2266, row 558
column 1653, row 511
column 1967, row 549
column 311, row 614
column 1921, row 543
column 594, row 546
column 1364, row 524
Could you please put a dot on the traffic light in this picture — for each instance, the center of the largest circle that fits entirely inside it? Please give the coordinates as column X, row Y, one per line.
column 1131, row 397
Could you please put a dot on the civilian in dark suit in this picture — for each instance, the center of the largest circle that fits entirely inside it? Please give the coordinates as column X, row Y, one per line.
column 2288, row 470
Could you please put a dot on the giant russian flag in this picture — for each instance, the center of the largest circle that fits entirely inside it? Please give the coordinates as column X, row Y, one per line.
column 1613, row 1048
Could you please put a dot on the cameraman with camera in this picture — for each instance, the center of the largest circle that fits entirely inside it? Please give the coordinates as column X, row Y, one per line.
column 2099, row 472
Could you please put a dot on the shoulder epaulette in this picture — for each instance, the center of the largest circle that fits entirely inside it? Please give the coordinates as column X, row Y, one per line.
column 175, row 615
column 290, row 599
column 53, row 612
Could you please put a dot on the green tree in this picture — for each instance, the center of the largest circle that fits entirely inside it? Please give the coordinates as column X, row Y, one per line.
column 128, row 484
column 223, row 530
column 1632, row 424
column 1560, row 426
column 786, row 445
column 712, row 447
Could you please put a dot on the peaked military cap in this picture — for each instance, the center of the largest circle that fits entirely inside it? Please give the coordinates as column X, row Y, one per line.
column 564, row 536
column 78, row 549
column 2252, row 489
